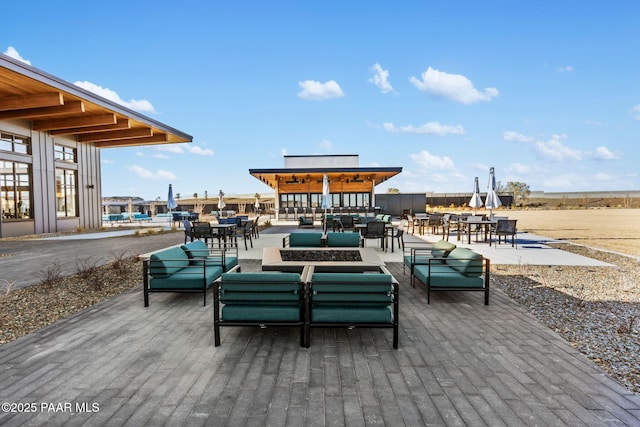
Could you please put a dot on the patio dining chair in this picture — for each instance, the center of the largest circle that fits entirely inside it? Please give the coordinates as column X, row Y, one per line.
column 506, row 227
column 188, row 232
column 245, row 232
column 202, row 231
column 375, row 230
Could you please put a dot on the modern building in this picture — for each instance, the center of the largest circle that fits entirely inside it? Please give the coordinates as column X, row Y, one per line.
column 298, row 185
column 51, row 135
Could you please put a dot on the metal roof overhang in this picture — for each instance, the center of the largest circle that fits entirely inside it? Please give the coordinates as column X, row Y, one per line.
column 62, row 108
column 272, row 177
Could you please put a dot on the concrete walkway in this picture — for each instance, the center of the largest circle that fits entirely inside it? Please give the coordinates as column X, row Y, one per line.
column 459, row 363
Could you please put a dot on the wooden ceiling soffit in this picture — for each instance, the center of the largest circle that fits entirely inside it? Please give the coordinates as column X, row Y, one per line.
column 82, row 121
column 38, row 100
column 116, row 134
column 155, row 139
column 74, row 107
column 119, row 125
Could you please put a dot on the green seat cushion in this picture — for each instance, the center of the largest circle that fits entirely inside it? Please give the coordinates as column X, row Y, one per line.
column 261, row 313
column 305, row 239
column 337, row 240
column 446, row 277
column 351, row 314
column 168, row 261
column 187, row 278
column 465, row 261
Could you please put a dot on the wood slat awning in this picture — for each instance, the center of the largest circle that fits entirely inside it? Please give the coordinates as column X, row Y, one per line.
column 62, row 108
column 290, row 177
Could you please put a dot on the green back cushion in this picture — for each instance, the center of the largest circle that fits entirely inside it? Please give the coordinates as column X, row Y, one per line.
column 442, row 249
column 465, row 261
column 337, row 240
column 167, row 262
column 305, row 239
column 196, row 249
column 351, row 287
column 260, row 288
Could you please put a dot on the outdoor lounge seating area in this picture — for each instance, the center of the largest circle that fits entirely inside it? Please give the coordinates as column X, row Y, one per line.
column 457, row 362
column 306, row 300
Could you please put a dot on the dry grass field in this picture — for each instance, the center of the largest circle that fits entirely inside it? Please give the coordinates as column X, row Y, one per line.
column 616, row 230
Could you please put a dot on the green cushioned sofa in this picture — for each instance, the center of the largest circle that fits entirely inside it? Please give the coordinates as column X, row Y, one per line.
column 422, row 252
column 462, row 270
column 174, row 270
column 259, row 299
column 350, row 300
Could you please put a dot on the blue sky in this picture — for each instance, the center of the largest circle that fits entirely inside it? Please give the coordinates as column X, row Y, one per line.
column 547, row 92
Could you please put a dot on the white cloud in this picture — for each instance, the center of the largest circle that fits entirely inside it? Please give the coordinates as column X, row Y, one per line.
column 601, row 176
column 556, row 150
column 160, row 156
column 13, row 53
column 519, row 168
column 429, row 161
column 593, row 123
column 603, row 153
column 147, row 174
column 326, row 145
column 453, row 86
column 430, row 128
column 381, row 78
column 635, row 112
column 312, row 89
column 137, row 105
column 199, row 151
column 107, row 161
column 283, row 152
column 172, row 148
column 516, row 137
column 565, row 69
column 139, row 154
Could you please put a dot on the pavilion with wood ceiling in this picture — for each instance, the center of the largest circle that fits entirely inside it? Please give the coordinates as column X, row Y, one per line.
column 298, row 185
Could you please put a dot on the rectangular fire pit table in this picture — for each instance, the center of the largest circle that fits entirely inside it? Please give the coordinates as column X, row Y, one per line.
column 323, row 259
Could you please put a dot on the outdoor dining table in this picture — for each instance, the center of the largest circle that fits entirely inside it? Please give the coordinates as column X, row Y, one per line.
column 388, row 228
column 223, row 230
column 484, row 223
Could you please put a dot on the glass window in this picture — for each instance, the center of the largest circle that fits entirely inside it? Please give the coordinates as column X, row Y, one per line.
column 15, row 190
column 65, row 154
column 66, row 193
column 15, row 144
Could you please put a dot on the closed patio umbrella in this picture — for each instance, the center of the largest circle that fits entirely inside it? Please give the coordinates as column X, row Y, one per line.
column 325, row 203
column 492, row 201
column 257, row 204
column 221, row 203
column 171, row 202
column 475, row 201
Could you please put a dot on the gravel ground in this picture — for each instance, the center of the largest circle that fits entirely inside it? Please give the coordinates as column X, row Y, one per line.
column 596, row 309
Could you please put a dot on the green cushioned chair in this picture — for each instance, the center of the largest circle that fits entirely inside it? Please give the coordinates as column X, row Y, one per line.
column 343, row 240
column 258, row 299
column 173, row 270
column 462, row 270
column 350, row 300
column 419, row 253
